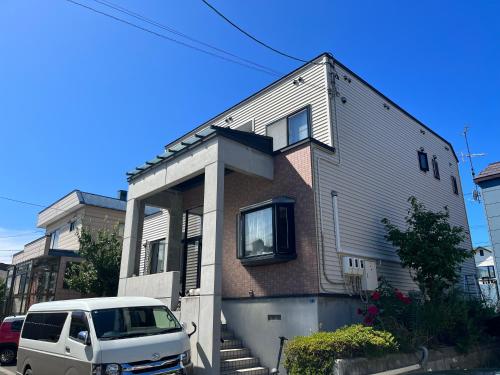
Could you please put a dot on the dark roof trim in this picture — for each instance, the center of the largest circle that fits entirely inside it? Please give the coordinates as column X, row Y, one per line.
column 479, row 180
column 335, row 61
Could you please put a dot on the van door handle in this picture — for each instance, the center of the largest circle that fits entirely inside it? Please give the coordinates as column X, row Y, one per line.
column 68, row 350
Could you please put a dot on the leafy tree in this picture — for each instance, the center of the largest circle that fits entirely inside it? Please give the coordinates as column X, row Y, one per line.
column 429, row 247
column 98, row 273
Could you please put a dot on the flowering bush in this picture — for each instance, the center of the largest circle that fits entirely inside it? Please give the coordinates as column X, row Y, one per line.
column 452, row 320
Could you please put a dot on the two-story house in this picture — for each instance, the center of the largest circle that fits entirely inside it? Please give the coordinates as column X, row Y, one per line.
column 270, row 220
column 37, row 272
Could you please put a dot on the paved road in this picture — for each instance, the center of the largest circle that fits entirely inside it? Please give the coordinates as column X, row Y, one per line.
column 8, row 370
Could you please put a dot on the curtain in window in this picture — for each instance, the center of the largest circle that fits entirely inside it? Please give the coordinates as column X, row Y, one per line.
column 259, row 232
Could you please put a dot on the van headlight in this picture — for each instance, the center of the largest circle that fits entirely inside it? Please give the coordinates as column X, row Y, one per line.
column 112, row 369
column 186, row 357
column 107, row 369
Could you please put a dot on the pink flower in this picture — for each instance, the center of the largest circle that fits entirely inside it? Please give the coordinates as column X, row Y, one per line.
column 372, row 310
column 375, row 296
column 406, row 300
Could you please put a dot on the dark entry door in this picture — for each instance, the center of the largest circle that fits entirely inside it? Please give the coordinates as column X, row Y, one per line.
column 192, row 249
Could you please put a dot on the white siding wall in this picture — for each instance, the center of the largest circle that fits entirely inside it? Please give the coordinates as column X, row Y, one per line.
column 284, row 99
column 374, row 171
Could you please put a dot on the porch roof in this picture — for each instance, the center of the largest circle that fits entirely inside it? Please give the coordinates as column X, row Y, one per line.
column 255, row 141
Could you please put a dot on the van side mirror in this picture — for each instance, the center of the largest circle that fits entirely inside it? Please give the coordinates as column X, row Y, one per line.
column 83, row 336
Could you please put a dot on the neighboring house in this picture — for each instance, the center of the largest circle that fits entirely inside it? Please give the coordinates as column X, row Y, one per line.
column 37, row 273
column 486, row 273
column 271, row 212
column 489, row 181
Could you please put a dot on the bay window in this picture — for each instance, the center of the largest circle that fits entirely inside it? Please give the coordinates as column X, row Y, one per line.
column 267, row 232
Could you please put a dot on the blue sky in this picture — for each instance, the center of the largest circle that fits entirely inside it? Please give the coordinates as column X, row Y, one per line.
column 84, row 98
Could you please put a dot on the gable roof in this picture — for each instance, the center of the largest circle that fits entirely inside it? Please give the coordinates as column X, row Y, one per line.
column 491, row 172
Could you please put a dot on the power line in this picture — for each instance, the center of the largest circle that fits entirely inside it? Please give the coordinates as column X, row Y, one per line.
column 163, row 36
column 250, row 35
column 181, row 34
column 30, row 203
column 23, row 234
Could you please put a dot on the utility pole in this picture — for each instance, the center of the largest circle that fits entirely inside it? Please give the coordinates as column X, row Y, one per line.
column 476, row 195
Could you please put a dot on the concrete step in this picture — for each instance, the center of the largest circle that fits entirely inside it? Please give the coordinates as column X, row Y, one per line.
column 248, row 371
column 239, row 363
column 234, row 353
column 231, row 344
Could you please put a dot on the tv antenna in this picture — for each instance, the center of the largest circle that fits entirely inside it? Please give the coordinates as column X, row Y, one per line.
column 476, row 195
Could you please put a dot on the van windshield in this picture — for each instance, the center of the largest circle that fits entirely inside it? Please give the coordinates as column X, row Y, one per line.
column 120, row 323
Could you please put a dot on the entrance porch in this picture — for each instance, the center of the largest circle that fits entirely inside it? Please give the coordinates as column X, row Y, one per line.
column 191, row 259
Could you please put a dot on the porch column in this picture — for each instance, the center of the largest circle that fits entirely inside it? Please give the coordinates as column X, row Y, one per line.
column 132, row 237
column 211, row 270
column 174, row 251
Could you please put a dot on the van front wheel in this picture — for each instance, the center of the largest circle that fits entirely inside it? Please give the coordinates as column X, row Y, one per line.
column 7, row 356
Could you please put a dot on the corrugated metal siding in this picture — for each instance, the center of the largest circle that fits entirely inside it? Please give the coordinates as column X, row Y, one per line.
column 155, row 228
column 374, row 172
column 285, row 99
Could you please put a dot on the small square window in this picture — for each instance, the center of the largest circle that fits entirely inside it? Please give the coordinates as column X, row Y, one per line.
column 481, row 252
column 423, row 161
column 435, row 168
column 454, row 185
column 72, row 226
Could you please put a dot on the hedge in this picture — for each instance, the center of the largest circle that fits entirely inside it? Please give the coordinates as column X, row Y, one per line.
column 316, row 354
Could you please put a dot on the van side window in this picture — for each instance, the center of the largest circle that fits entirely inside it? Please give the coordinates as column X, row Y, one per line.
column 78, row 324
column 44, row 326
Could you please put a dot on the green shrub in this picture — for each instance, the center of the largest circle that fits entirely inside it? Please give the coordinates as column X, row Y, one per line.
column 315, row 354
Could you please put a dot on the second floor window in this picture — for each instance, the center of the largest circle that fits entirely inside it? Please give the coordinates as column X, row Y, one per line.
column 454, row 185
column 291, row 129
column 54, row 239
column 435, row 168
column 423, row 162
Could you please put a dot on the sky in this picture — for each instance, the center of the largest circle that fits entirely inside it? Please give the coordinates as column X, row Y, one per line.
column 85, row 98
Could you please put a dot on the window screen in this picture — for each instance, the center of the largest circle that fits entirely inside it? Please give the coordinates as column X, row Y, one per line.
column 278, row 132
column 44, row 326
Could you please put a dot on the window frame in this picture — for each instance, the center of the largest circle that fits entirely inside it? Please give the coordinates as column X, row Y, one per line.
column 287, row 118
column 454, row 185
column 72, row 225
column 85, row 320
column 29, row 334
column 435, row 168
column 420, row 154
column 158, row 242
column 279, row 254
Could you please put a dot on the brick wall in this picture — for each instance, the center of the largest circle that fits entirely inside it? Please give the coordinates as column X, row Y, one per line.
column 293, row 178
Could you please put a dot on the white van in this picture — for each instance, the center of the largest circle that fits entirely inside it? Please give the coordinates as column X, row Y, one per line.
column 103, row 336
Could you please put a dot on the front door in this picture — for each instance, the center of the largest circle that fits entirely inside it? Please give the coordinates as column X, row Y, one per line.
column 193, row 223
